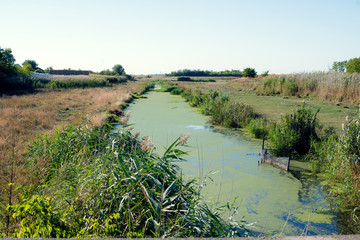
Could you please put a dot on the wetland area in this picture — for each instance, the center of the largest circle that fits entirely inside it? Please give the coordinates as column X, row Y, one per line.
column 225, row 163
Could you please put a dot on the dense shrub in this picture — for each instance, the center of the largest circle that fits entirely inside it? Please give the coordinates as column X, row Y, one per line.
column 294, row 133
column 259, row 127
column 184, row 79
column 176, row 91
column 249, row 72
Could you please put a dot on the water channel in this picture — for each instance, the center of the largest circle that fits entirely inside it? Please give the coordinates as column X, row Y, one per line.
column 273, row 200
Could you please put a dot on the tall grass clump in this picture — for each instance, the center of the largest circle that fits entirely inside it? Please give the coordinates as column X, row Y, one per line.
column 222, row 110
column 333, row 86
column 67, row 82
column 337, row 159
column 96, row 183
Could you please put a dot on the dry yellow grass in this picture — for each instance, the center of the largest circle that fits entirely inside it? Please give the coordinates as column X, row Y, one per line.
column 23, row 117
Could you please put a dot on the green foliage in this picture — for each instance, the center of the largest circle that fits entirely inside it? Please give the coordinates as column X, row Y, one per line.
column 176, row 91
column 202, row 73
column 7, row 61
column 334, row 86
column 249, row 72
column 286, row 86
column 101, row 184
column 350, row 66
column 188, row 79
column 67, row 83
column 353, row 65
column 6, row 56
column 339, row 66
column 118, row 69
column 220, row 108
column 338, row 159
column 184, row 79
column 294, row 133
column 38, row 219
column 31, row 65
column 266, row 73
column 12, row 77
column 259, row 127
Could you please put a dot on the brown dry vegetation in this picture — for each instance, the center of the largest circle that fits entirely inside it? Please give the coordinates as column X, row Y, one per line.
column 23, row 117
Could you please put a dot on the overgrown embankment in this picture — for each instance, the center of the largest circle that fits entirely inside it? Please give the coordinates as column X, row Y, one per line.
column 24, row 117
column 92, row 183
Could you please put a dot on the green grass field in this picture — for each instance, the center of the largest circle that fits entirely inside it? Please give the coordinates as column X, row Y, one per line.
column 271, row 107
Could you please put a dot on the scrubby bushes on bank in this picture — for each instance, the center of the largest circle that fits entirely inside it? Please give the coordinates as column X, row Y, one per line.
column 338, row 160
column 294, row 133
column 222, row 111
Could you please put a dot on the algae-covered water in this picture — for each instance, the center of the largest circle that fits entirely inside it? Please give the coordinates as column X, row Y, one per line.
column 272, row 199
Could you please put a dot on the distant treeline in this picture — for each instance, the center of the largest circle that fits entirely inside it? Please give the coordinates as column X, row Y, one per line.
column 205, row 73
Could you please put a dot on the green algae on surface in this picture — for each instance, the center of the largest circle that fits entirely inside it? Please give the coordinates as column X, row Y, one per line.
column 226, row 163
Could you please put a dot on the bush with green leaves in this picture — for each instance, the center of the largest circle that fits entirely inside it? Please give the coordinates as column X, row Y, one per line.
column 222, row 110
column 259, row 127
column 249, row 72
column 294, row 133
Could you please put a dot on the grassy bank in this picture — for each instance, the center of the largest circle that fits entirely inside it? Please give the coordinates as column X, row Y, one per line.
column 92, row 183
column 271, row 107
column 23, row 117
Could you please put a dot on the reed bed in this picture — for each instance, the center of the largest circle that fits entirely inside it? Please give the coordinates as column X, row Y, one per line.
column 76, row 81
column 101, row 184
column 333, row 86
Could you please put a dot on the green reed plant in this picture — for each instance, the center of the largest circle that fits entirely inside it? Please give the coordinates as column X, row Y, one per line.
column 338, row 160
column 111, row 184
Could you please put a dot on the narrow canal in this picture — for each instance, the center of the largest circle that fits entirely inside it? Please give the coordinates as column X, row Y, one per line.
column 226, row 163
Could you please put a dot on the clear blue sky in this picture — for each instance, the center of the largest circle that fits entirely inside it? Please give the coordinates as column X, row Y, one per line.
column 159, row 36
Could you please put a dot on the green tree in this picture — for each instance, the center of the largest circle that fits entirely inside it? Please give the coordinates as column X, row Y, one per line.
column 31, row 65
column 249, row 72
column 339, row 66
column 353, row 65
column 6, row 56
column 266, row 73
column 118, row 69
column 7, row 61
